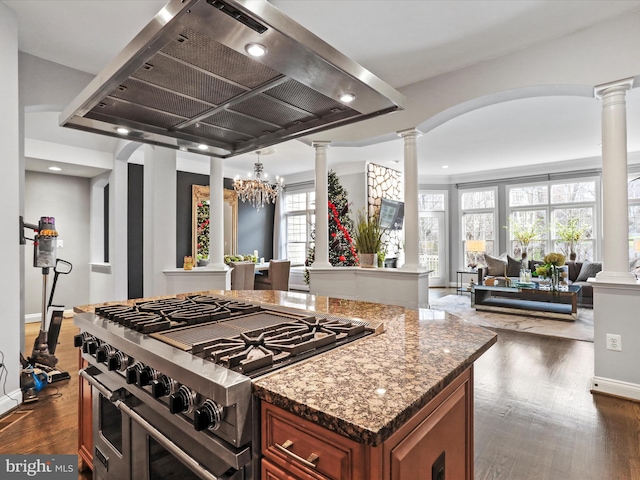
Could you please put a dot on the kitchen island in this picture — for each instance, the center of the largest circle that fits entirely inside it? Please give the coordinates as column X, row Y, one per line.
column 379, row 407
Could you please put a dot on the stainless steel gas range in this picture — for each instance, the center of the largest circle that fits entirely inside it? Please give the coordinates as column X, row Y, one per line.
column 171, row 381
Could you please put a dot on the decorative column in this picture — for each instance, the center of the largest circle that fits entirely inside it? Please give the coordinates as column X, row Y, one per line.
column 216, row 215
column 322, row 199
column 159, row 212
column 614, row 182
column 411, row 216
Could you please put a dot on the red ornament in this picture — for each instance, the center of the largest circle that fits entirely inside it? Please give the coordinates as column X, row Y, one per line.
column 342, row 258
column 334, row 234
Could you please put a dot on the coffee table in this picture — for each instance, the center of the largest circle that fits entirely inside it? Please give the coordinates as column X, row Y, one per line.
column 527, row 300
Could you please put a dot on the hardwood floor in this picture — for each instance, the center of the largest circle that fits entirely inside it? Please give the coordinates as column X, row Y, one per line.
column 535, row 418
column 534, row 415
column 51, row 425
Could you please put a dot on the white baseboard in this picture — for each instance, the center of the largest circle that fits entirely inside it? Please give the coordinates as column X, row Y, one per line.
column 8, row 401
column 32, row 318
column 35, row 317
column 617, row 388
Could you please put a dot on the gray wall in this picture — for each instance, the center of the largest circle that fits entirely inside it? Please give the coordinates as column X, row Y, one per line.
column 67, row 199
column 356, row 185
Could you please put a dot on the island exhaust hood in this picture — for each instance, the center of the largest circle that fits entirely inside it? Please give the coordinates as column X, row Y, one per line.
column 188, row 81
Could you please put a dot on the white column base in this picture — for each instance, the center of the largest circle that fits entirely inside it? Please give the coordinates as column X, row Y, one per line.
column 616, row 388
column 614, row 277
column 217, row 266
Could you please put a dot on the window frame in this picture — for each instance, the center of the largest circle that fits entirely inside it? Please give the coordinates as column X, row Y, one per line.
column 549, row 240
column 461, row 217
column 309, row 217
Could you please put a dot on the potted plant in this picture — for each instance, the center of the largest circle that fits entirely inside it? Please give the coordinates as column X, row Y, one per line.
column 203, row 260
column 571, row 233
column 524, row 233
column 368, row 239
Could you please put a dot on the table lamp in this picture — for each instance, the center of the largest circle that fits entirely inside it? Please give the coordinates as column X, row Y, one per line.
column 475, row 246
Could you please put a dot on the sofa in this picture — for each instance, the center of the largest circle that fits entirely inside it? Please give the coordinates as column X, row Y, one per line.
column 577, row 273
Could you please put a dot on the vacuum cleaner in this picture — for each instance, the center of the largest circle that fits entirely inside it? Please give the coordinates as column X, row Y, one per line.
column 39, row 369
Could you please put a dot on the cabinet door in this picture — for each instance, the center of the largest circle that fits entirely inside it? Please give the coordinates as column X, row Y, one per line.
column 299, row 445
column 273, row 472
column 85, row 419
column 438, row 447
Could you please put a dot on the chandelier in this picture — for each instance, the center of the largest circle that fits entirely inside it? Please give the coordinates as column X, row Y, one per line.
column 256, row 189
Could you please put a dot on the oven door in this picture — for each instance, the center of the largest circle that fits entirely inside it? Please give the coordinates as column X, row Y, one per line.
column 111, row 433
column 133, row 442
column 162, row 452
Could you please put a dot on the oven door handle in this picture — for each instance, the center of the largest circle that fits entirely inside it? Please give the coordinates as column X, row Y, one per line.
column 104, row 391
column 167, row 444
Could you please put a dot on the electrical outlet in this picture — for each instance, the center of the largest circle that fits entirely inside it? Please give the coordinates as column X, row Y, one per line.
column 614, row 342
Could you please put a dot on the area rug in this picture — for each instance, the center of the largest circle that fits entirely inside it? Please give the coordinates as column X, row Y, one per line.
column 460, row 306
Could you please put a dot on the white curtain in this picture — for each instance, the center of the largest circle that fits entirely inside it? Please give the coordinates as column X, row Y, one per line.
column 279, row 229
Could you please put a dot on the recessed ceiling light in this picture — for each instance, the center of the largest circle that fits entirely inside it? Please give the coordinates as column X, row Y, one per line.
column 202, row 146
column 183, row 149
column 55, row 169
column 347, row 97
column 255, row 49
column 122, row 130
column 445, row 166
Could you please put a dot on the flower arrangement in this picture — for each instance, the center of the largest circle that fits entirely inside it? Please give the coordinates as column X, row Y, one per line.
column 553, row 262
column 571, row 232
column 525, row 233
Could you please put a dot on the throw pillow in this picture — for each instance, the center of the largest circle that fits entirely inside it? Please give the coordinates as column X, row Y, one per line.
column 588, row 270
column 495, row 266
column 513, row 267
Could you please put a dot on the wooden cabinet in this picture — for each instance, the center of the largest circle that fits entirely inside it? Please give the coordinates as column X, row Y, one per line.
column 436, row 443
column 85, row 419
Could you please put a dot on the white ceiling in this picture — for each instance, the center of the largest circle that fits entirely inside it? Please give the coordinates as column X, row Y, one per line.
column 402, row 42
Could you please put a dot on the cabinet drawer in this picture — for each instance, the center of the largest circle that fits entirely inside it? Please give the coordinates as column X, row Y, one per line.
column 273, row 472
column 289, row 440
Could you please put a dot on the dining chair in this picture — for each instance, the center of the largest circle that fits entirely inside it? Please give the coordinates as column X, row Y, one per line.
column 242, row 275
column 277, row 277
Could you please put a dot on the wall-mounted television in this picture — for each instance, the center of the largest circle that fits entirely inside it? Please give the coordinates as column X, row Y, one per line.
column 391, row 214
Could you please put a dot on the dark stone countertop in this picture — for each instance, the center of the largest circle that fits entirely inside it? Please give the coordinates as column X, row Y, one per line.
column 367, row 389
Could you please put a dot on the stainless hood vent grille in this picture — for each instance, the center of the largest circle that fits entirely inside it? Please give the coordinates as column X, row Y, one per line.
column 188, row 81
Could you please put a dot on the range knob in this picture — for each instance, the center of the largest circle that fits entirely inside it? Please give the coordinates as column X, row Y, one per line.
column 208, row 416
column 118, row 361
column 182, row 401
column 163, row 386
column 104, row 351
column 131, row 373
column 146, row 375
column 80, row 339
column 91, row 346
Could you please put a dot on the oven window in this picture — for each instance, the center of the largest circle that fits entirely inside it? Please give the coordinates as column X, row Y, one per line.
column 164, row 466
column 111, row 423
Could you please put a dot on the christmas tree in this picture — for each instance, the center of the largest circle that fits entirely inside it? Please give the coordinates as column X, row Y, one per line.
column 342, row 251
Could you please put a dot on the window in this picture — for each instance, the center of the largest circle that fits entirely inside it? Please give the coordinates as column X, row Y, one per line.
column 300, row 220
column 432, row 236
column 560, row 215
column 634, row 215
column 478, row 214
